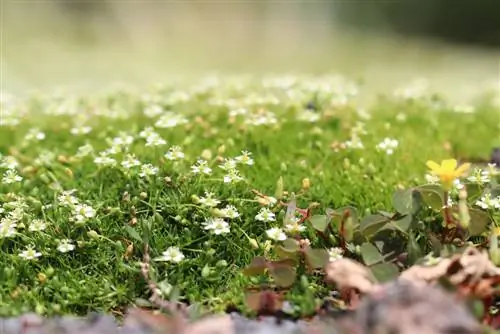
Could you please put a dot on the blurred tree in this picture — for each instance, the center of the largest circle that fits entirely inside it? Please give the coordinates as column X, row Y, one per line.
column 461, row 21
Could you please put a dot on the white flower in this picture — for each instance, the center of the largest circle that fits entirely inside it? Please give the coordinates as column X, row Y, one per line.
column 232, row 176
column 355, row 142
column 17, row 214
column 85, row 150
column 34, row 134
column 130, row 161
column 65, row 246
column 431, row 178
column 37, row 225
column 479, row 176
column 9, row 162
column 230, row 212
column 153, row 111
column 209, row 200
column 11, row 176
column 265, row 215
column 67, row 199
column 123, row 139
column 80, row 130
column 245, row 158
column 83, row 212
column 486, row 202
column 147, row 132
column 172, row 254
column 308, row 116
column 294, row 227
column 155, row 139
column 7, row 230
column 170, row 120
column 388, row 145
column 175, row 153
column 148, row 170
column 217, row 226
column 335, row 253
column 201, row 167
column 229, row 164
column 276, row 234
column 104, row 160
column 30, row 254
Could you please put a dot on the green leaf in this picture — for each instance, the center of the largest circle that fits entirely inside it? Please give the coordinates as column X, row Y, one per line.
column 133, row 233
column 370, row 254
column 402, row 224
column 316, row 258
column 319, row 222
column 337, row 216
column 385, row 272
column 404, row 202
column 413, row 249
column 432, row 195
column 256, row 267
column 479, row 221
column 474, row 190
column 283, row 275
column 284, row 253
column 372, row 224
column 291, row 245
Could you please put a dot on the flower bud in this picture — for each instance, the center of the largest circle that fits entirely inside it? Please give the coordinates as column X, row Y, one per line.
column 253, row 243
column 306, row 183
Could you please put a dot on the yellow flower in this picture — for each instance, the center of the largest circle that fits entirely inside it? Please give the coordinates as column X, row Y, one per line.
column 448, row 171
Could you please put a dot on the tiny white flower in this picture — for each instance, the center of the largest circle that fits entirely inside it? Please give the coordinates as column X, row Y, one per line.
column 147, row 132
column 217, row 226
column 148, row 170
column 335, row 253
column 83, row 212
column 37, row 225
column 170, row 120
column 123, row 139
column 232, row 176
column 229, row 164
column 245, row 158
column 11, row 176
column 294, row 227
column 201, row 167
column 9, row 162
column 172, row 254
column 175, row 153
column 30, row 254
column 65, row 246
column 66, row 198
column 388, row 145
column 7, row 230
column 155, row 139
column 34, row 134
column 209, row 200
column 265, row 215
column 104, row 160
column 230, row 212
column 85, row 150
column 153, row 111
column 130, row 162
column 80, row 130
column 276, row 234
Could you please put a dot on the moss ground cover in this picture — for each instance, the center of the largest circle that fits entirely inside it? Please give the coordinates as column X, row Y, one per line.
column 198, row 173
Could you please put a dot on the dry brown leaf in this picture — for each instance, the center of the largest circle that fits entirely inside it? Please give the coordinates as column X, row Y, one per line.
column 349, row 274
column 424, row 275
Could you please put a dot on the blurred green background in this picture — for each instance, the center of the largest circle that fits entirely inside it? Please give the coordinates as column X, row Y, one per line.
column 91, row 44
